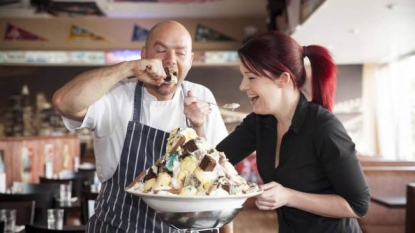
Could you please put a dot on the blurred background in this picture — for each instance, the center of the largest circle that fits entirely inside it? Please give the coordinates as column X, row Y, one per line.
column 45, row 43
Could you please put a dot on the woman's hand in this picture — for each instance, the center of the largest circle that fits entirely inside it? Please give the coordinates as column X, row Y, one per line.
column 329, row 205
column 273, row 197
column 196, row 111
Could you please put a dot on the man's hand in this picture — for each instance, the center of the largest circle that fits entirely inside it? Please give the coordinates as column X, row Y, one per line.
column 195, row 110
column 149, row 71
column 228, row 228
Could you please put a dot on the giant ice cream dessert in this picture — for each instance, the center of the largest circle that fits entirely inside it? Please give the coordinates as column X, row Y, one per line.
column 191, row 167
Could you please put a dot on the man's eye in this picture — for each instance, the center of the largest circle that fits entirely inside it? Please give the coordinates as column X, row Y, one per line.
column 181, row 54
column 161, row 51
column 251, row 78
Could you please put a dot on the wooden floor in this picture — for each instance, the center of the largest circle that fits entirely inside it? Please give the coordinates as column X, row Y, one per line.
column 255, row 220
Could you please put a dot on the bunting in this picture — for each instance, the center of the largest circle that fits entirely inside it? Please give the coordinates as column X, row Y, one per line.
column 71, row 9
column 15, row 33
column 188, row 1
column 169, row 1
column 139, row 34
column 205, row 34
column 80, row 34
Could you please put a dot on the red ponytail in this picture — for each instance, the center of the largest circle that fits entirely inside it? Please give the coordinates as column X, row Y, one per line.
column 323, row 76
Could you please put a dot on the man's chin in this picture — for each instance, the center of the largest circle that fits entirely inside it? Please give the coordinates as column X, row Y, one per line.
column 165, row 89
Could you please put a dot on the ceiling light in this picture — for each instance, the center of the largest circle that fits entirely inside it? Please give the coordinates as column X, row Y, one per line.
column 391, row 6
column 354, row 31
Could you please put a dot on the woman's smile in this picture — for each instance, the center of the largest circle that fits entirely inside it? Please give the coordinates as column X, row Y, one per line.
column 253, row 99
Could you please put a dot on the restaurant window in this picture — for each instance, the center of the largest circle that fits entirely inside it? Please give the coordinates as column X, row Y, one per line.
column 395, row 102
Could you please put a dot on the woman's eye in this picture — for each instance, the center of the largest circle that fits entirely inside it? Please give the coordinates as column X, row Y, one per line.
column 251, row 78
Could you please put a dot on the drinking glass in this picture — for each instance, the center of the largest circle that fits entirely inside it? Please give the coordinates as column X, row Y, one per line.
column 55, row 219
column 9, row 218
column 65, row 193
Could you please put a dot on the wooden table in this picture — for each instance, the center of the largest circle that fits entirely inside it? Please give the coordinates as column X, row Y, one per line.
column 81, row 227
column 74, row 205
column 72, row 209
column 390, row 202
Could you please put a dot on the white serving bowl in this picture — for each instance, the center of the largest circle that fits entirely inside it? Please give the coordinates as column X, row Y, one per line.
column 176, row 203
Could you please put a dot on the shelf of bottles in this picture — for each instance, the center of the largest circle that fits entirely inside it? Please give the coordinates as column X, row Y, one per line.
column 23, row 119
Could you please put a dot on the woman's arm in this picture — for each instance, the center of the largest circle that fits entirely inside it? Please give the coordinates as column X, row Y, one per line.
column 275, row 196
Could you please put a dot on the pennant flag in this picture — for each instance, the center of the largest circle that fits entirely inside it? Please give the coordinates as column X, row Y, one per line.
column 188, row 1
column 139, row 34
column 81, row 34
column 16, row 33
column 169, row 1
column 204, row 34
column 72, row 8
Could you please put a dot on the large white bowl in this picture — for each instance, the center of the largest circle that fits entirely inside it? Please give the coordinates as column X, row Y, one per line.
column 176, row 203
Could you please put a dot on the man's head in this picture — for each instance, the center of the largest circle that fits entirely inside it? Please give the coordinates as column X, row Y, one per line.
column 170, row 42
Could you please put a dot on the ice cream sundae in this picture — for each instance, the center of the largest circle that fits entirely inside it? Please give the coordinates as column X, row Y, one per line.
column 192, row 167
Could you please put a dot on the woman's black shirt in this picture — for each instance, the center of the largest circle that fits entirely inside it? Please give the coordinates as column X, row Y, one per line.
column 316, row 156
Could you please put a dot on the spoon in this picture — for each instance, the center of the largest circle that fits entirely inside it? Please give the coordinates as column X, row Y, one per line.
column 229, row 106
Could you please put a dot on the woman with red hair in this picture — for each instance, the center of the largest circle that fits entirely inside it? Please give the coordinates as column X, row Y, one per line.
column 311, row 173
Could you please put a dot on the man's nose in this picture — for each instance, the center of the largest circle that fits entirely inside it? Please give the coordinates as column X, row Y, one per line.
column 170, row 58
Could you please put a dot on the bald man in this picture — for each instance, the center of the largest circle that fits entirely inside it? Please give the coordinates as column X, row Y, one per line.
column 131, row 110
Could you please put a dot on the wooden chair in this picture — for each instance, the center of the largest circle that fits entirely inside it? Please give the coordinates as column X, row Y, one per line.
column 25, row 210
column 410, row 208
column 40, row 229
column 86, row 197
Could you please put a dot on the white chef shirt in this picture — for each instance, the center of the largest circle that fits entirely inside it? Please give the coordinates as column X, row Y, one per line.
column 109, row 116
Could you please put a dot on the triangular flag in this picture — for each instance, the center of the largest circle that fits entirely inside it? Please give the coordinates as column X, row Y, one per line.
column 204, row 34
column 78, row 33
column 139, row 34
column 187, row 1
column 16, row 33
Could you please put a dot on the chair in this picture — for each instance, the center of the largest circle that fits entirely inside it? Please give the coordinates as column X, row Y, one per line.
column 86, row 197
column 25, row 210
column 410, row 208
column 87, row 176
column 74, row 179
column 44, row 194
column 40, row 229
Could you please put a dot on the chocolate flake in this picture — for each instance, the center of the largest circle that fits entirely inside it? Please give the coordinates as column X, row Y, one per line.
column 150, row 175
column 207, row 164
column 191, row 146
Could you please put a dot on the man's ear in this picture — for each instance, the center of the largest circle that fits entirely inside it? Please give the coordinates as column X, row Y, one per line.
column 191, row 59
column 143, row 52
column 284, row 79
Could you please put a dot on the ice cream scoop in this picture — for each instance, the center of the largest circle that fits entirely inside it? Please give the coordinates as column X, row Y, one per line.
column 171, row 76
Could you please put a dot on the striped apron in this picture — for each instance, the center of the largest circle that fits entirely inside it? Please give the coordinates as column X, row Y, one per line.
column 116, row 210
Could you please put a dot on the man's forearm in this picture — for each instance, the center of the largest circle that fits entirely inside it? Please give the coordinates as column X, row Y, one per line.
column 228, row 228
column 74, row 98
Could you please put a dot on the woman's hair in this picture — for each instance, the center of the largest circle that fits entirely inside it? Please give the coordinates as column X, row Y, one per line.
column 277, row 53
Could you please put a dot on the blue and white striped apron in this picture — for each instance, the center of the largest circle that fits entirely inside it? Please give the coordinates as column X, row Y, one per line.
column 116, row 210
